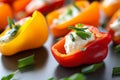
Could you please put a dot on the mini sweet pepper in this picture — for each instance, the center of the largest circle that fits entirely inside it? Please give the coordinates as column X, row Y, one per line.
column 31, row 34
column 116, row 16
column 85, row 16
column 92, row 52
column 110, row 7
column 44, row 6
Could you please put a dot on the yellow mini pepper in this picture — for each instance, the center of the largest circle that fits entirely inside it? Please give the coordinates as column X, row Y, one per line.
column 32, row 34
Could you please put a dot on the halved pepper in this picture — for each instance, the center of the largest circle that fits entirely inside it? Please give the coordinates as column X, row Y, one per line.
column 44, row 6
column 85, row 17
column 32, row 34
column 116, row 39
column 94, row 52
column 110, row 8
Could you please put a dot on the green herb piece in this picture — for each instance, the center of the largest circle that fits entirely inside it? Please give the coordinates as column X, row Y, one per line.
column 76, row 6
column 79, row 25
column 77, row 29
column 92, row 68
column 27, row 61
column 10, row 22
column 52, row 78
column 83, row 35
column 117, row 48
column 72, row 37
column 69, row 11
column 116, row 71
column 81, row 32
column 10, row 76
column 14, row 32
column 76, row 76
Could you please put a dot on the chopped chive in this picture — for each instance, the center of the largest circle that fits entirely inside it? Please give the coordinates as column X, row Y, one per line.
column 76, row 76
column 76, row 6
column 83, row 35
column 52, row 78
column 72, row 37
column 92, row 68
column 79, row 25
column 10, row 22
column 69, row 11
column 117, row 48
column 10, row 76
column 77, row 29
column 27, row 61
column 116, row 71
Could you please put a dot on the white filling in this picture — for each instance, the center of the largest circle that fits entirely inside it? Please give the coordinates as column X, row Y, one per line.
column 65, row 17
column 34, row 5
column 109, row 2
column 78, row 44
column 115, row 26
column 7, row 36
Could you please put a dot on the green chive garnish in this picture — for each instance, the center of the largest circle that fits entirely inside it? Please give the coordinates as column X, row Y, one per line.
column 116, row 71
column 72, row 37
column 76, row 76
column 10, row 76
column 27, row 61
column 69, row 11
column 81, row 31
column 77, row 29
column 83, row 35
column 52, row 78
column 10, row 22
column 92, row 68
column 80, row 25
column 117, row 48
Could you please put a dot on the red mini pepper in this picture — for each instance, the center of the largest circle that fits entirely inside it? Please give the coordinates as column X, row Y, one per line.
column 45, row 7
column 94, row 52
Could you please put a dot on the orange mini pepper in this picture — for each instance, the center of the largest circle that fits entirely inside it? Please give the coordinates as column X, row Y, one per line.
column 5, row 11
column 116, row 39
column 110, row 9
column 89, row 15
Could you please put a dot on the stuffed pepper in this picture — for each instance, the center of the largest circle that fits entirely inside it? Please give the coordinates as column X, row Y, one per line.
column 78, row 12
column 110, row 7
column 28, row 33
column 43, row 6
column 114, row 27
column 84, row 45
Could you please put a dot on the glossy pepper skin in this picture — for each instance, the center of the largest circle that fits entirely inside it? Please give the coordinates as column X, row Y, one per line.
column 32, row 34
column 110, row 9
column 116, row 39
column 95, row 51
column 44, row 8
column 85, row 17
